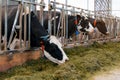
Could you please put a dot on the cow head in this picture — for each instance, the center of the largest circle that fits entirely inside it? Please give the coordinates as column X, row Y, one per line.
column 53, row 50
column 100, row 24
column 84, row 25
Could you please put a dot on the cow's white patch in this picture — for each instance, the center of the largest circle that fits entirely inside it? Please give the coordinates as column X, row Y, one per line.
column 54, row 40
column 79, row 27
column 90, row 29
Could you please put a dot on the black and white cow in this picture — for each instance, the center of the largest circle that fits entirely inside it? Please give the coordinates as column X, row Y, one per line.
column 97, row 26
column 75, row 24
column 53, row 48
column 83, row 25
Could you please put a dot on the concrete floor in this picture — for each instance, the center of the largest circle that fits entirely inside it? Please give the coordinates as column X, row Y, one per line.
column 111, row 75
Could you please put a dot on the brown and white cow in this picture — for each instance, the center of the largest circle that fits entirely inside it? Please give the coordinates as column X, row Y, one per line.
column 99, row 24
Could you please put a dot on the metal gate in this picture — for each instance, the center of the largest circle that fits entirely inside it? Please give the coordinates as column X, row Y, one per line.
column 22, row 6
column 111, row 22
column 25, row 6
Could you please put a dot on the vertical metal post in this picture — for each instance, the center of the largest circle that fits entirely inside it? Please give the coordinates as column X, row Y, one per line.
column 13, row 27
column 25, row 24
column 59, row 24
column 118, row 28
column 41, row 12
column 54, row 4
column 0, row 23
column 20, row 23
column 66, row 19
column 6, row 8
column 29, row 25
column 33, row 7
column 62, row 23
column 94, row 9
column 74, row 14
column 49, row 18
column 115, row 27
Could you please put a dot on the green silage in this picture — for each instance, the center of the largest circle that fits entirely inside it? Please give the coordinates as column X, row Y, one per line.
column 84, row 63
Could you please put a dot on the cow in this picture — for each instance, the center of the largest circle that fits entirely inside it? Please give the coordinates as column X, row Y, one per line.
column 75, row 24
column 83, row 25
column 38, row 36
column 99, row 24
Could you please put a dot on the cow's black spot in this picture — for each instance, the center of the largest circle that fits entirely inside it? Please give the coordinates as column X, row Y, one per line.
column 53, row 50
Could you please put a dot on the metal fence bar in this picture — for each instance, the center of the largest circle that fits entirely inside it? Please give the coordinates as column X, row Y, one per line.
column 18, row 15
column 62, row 24
column 41, row 12
column 86, row 11
column 13, row 27
column 28, row 2
column 29, row 30
column 0, row 23
column 25, row 24
column 112, row 27
column 66, row 9
column 55, row 19
column 5, row 37
column 66, row 19
column 20, row 23
column 49, row 17
column 59, row 24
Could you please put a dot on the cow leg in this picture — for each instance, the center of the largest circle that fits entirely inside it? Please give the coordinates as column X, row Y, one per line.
column 81, row 36
column 74, row 39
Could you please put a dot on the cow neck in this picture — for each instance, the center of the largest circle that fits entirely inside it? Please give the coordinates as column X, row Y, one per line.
column 79, row 21
column 76, row 22
column 42, row 42
column 94, row 23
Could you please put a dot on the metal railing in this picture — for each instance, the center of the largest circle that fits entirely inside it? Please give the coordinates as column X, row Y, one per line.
column 112, row 23
column 23, row 6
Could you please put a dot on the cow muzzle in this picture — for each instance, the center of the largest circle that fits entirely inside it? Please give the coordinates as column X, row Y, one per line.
column 63, row 61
